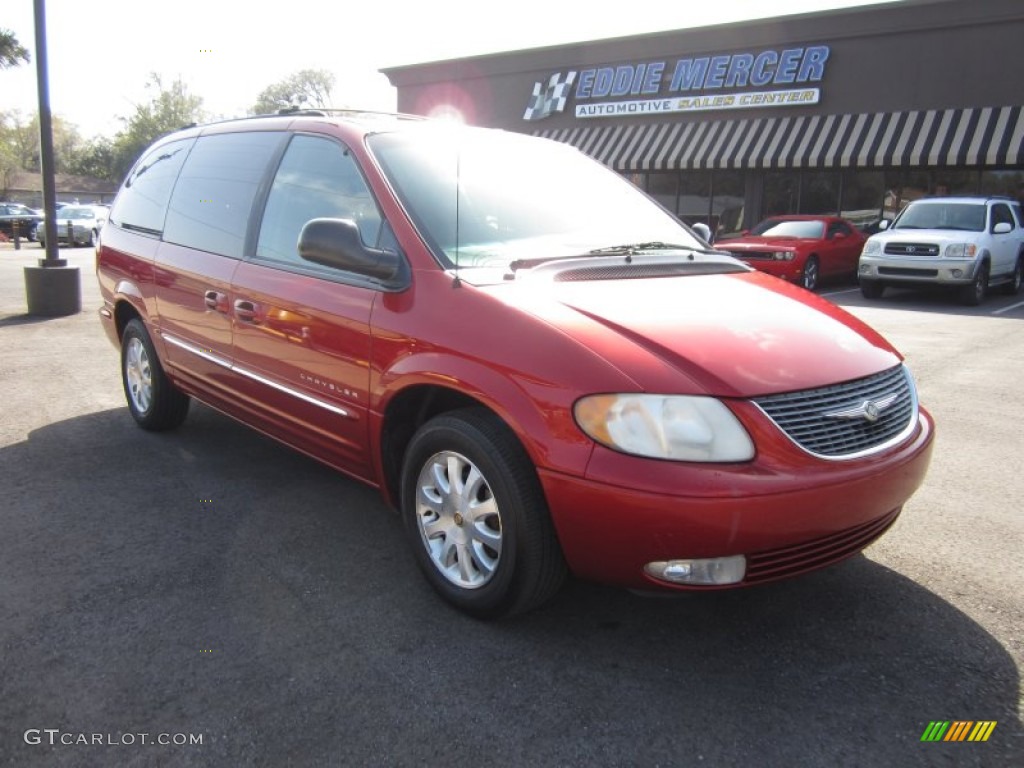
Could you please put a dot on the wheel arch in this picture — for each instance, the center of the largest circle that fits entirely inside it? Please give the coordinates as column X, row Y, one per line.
column 124, row 312
column 405, row 413
column 547, row 434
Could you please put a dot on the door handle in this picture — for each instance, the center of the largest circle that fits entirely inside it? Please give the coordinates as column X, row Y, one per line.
column 216, row 301
column 246, row 311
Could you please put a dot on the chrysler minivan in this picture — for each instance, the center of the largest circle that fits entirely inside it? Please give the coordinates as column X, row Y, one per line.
column 542, row 369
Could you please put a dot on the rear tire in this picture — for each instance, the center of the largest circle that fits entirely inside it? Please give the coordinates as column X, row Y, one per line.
column 153, row 401
column 476, row 517
column 1012, row 288
column 872, row 289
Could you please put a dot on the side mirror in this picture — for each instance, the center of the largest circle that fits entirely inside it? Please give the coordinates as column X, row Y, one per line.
column 883, row 225
column 703, row 231
column 336, row 243
column 1002, row 228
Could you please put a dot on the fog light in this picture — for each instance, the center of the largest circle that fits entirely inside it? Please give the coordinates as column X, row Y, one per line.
column 715, row 570
column 865, row 269
column 958, row 273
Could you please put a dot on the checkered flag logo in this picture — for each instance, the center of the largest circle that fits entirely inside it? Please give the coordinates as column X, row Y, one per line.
column 547, row 100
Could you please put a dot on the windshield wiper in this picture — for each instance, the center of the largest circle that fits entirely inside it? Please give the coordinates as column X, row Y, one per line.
column 628, row 250
column 654, row 245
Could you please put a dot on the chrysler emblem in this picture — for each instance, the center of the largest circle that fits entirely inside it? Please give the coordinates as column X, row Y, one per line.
column 868, row 410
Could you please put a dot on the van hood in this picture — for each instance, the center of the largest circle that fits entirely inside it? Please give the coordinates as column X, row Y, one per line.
column 729, row 335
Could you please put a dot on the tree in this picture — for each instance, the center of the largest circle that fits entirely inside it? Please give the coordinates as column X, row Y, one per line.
column 12, row 53
column 170, row 108
column 96, row 158
column 22, row 141
column 11, row 134
column 307, row 88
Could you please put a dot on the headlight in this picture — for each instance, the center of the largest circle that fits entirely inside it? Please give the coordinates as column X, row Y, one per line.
column 870, row 247
column 783, row 255
column 961, row 251
column 677, row 427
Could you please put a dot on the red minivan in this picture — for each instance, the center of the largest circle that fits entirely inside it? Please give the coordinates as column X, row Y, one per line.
column 541, row 368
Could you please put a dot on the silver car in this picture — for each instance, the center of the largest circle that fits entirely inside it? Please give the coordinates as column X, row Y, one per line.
column 77, row 224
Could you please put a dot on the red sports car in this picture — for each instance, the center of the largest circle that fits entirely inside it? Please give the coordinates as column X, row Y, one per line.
column 801, row 249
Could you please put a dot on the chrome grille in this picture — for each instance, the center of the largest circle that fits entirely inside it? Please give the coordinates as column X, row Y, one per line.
column 835, row 422
column 912, row 249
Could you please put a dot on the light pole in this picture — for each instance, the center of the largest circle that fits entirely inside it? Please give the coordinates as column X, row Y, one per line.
column 52, row 288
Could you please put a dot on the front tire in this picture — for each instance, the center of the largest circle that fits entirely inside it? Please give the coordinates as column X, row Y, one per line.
column 872, row 289
column 811, row 274
column 972, row 295
column 153, row 401
column 476, row 517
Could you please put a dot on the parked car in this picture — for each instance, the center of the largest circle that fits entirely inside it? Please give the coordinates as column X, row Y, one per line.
column 970, row 243
column 534, row 362
column 86, row 222
column 801, row 249
column 25, row 218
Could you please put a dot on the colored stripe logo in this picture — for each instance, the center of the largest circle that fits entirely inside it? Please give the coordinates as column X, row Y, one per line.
column 958, row 730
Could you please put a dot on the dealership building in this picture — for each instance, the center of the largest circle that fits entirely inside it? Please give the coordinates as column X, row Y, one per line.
column 853, row 111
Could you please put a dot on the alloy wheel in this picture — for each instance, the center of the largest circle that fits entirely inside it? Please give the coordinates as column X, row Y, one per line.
column 139, row 375
column 459, row 519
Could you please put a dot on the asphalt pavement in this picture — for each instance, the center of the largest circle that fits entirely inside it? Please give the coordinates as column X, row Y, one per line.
column 215, row 591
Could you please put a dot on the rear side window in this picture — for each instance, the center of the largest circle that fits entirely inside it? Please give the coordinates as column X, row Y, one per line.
column 317, row 179
column 142, row 203
column 209, row 209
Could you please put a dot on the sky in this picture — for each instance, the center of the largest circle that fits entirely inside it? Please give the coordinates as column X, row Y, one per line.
column 101, row 52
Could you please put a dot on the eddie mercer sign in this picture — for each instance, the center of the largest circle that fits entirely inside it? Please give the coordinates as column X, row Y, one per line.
column 687, row 85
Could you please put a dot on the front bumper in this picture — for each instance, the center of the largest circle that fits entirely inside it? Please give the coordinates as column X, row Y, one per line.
column 793, row 271
column 785, row 520
column 937, row 271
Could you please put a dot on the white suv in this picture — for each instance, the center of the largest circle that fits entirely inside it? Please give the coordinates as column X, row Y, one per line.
column 970, row 242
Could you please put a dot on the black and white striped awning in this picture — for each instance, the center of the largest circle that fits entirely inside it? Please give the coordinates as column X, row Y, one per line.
column 986, row 136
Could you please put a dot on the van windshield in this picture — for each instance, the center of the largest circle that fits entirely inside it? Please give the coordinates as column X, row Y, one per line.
column 488, row 198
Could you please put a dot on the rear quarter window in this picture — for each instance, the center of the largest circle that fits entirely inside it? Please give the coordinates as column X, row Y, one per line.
column 142, row 202
column 210, row 206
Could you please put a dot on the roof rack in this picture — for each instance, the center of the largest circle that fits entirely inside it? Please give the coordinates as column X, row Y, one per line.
column 309, row 112
column 333, row 111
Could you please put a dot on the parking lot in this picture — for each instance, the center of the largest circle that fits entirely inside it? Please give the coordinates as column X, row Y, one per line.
column 211, row 583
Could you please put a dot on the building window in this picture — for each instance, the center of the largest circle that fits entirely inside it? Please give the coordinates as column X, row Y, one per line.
column 863, row 196
column 903, row 187
column 781, row 193
column 1003, row 182
column 819, row 192
column 694, row 197
column 664, row 187
column 729, row 196
column 953, row 181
